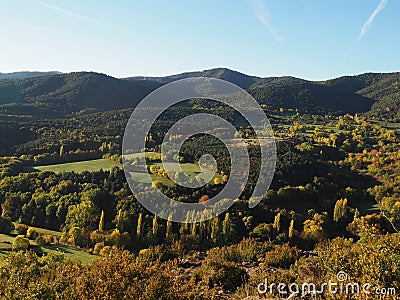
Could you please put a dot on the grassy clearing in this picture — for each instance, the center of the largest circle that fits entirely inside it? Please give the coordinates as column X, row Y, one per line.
column 190, row 169
column 69, row 252
column 42, row 231
column 80, row 166
column 104, row 164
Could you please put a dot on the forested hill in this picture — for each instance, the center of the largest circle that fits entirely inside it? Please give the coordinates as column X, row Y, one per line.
column 383, row 87
column 63, row 94
column 24, row 75
column 58, row 95
column 240, row 79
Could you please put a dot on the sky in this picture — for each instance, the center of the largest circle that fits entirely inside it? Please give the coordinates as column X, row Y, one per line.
column 310, row 39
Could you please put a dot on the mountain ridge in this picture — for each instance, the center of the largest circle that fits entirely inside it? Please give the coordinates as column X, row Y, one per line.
column 61, row 94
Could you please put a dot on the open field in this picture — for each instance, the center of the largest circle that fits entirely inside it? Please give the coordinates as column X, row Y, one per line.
column 105, row 164
column 69, row 252
column 80, row 166
column 389, row 125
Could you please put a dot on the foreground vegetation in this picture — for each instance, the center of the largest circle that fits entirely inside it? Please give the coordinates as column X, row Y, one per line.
column 333, row 206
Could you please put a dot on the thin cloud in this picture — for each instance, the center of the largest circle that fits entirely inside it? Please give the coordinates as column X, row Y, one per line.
column 368, row 23
column 261, row 11
column 67, row 12
column 272, row 30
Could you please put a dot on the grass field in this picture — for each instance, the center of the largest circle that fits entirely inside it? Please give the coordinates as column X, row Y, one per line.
column 80, row 166
column 189, row 168
column 69, row 252
column 106, row 164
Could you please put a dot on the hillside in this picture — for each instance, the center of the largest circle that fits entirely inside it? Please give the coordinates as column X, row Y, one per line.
column 61, row 95
column 383, row 87
column 24, row 75
column 309, row 97
column 240, row 79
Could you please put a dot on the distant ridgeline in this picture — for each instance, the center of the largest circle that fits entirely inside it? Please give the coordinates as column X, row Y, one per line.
column 54, row 95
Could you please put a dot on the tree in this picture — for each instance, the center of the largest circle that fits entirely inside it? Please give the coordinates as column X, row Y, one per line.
column 75, row 237
column 277, row 223
column 291, row 229
column 5, row 225
column 214, row 229
column 168, row 233
column 263, row 231
column 119, row 222
column 20, row 243
column 155, row 225
column 340, row 210
column 83, row 215
column 139, row 228
column 101, row 222
column 226, row 224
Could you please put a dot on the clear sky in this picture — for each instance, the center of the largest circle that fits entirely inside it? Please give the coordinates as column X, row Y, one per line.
column 312, row 39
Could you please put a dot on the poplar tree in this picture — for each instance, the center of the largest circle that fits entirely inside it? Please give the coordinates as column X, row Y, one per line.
column 277, row 222
column 101, row 222
column 291, row 228
column 139, row 225
column 168, row 233
column 155, row 225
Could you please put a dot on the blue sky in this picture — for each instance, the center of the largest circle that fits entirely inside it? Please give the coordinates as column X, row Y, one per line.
column 312, row 39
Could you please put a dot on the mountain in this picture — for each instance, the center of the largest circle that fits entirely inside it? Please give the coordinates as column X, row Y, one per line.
column 24, row 75
column 240, row 79
column 309, row 97
column 60, row 95
column 382, row 87
column 63, row 94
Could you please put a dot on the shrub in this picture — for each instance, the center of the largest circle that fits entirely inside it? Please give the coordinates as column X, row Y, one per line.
column 98, row 247
column 263, row 232
column 282, row 256
column 51, row 239
column 158, row 254
column 222, row 273
column 20, row 243
column 22, row 229
column 106, row 250
column 31, row 233
column 40, row 240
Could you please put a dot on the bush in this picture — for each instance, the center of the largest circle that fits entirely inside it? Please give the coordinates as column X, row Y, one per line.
column 31, row 233
column 22, row 229
column 222, row 273
column 40, row 241
column 282, row 256
column 51, row 239
column 158, row 254
column 20, row 243
column 263, row 231
column 98, row 247
column 248, row 250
